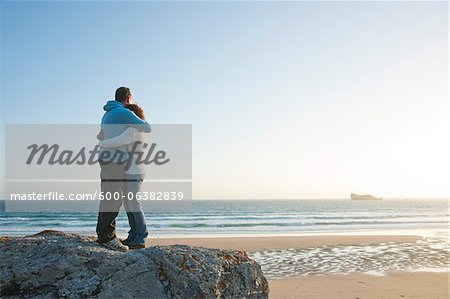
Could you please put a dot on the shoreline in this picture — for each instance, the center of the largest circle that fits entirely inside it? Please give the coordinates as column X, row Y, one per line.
column 372, row 284
column 420, row 233
column 440, row 232
column 257, row 243
column 392, row 284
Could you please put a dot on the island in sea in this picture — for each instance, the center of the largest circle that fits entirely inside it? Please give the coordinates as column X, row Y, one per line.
column 354, row 196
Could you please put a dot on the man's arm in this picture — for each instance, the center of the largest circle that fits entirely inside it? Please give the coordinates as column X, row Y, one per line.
column 125, row 138
column 129, row 118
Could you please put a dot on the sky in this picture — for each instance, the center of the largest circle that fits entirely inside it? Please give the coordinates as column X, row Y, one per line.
column 286, row 99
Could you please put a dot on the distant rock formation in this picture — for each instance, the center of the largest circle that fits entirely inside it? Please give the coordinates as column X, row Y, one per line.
column 54, row 264
column 354, row 196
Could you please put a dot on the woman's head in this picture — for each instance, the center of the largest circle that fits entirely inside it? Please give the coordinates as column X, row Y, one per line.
column 136, row 109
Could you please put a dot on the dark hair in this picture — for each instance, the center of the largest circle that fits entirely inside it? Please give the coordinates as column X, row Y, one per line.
column 137, row 110
column 123, row 94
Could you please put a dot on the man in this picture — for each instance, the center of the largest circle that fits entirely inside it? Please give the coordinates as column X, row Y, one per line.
column 112, row 162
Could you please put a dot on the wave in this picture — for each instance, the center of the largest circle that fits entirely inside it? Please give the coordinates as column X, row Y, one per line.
column 261, row 216
column 292, row 224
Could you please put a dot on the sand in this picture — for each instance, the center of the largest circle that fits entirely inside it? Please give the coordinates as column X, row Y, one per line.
column 392, row 285
column 265, row 243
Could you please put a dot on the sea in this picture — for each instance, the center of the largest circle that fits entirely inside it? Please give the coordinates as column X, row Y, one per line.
column 427, row 218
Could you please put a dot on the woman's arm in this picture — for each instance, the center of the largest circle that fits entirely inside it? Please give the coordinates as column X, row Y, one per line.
column 125, row 138
column 101, row 135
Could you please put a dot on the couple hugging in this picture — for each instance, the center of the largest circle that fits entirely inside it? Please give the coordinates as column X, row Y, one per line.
column 121, row 138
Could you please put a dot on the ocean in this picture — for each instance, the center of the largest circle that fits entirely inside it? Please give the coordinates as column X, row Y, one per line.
column 215, row 218
column 253, row 217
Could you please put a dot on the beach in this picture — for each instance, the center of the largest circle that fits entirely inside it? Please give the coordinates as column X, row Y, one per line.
column 392, row 284
column 306, row 248
column 254, row 243
column 224, row 149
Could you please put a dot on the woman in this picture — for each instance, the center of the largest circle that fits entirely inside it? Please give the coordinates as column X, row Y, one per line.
column 134, row 176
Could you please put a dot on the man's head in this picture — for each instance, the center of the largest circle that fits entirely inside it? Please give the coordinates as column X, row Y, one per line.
column 123, row 95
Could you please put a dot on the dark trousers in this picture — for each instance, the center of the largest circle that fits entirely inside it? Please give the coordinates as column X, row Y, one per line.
column 112, row 176
column 136, row 218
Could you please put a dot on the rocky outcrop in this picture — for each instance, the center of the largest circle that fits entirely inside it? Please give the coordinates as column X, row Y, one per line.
column 354, row 196
column 54, row 264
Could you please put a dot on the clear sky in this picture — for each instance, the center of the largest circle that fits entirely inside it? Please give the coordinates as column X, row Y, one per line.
column 286, row 99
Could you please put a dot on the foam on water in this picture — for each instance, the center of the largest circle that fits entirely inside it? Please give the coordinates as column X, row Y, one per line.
column 426, row 254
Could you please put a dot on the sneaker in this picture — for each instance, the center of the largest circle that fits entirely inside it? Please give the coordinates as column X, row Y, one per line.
column 133, row 245
column 125, row 241
column 115, row 245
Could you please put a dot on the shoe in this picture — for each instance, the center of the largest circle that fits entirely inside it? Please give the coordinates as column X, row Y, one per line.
column 125, row 241
column 133, row 245
column 115, row 245
column 136, row 245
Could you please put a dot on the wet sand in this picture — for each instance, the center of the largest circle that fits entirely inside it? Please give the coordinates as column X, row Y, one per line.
column 354, row 285
column 295, row 242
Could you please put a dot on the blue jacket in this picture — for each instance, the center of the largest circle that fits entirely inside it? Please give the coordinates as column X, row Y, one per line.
column 117, row 119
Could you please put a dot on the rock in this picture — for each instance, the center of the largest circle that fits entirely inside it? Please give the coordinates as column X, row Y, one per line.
column 54, row 264
column 354, row 196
